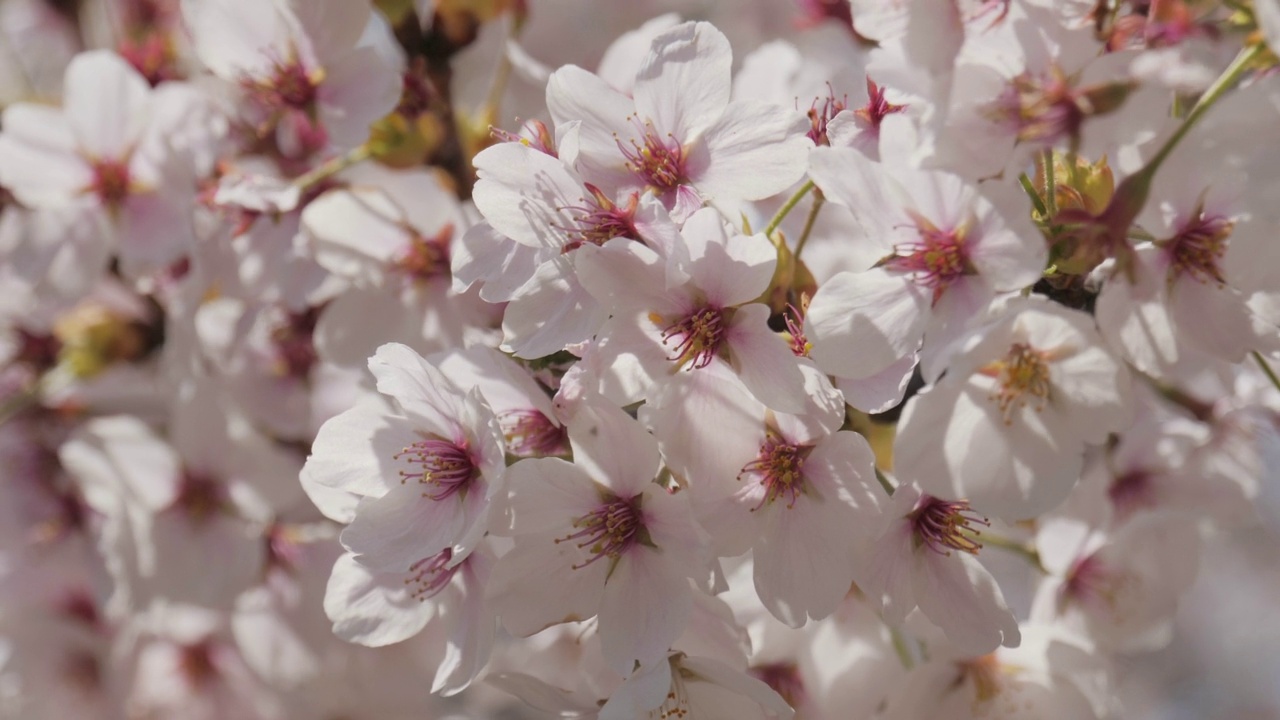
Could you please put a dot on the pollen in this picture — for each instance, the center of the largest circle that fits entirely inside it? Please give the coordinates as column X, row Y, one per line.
column 443, row 465
column 1198, row 248
column 1022, row 374
column 529, row 433
column 608, row 531
column 936, row 260
column 697, row 338
column 599, row 220
column 659, row 161
column 943, row 526
column 780, row 469
column 426, row 257
column 428, row 576
column 110, row 183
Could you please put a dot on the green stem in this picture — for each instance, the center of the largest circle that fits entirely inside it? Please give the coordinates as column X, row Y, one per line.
column 1035, row 196
column 1225, row 82
column 818, row 201
column 1025, row 550
column 1050, row 185
column 900, row 647
column 884, row 482
column 501, row 76
column 1266, row 368
column 333, row 166
column 787, row 207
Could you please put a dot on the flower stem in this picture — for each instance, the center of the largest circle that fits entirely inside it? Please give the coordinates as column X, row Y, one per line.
column 1266, row 368
column 501, row 76
column 900, row 647
column 1035, row 197
column 884, row 482
column 1025, row 550
column 333, row 166
column 1225, row 82
column 1050, row 186
column 818, row 201
column 787, row 207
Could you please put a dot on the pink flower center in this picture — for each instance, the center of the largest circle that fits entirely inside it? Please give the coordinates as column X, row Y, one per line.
column 534, row 134
column 799, row 343
column 985, row 673
column 696, row 338
column 784, row 678
column 200, row 496
column 1197, row 249
column 600, row 220
column 877, row 107
column 660, row 162
column 83, row 670
column 110, row 182
column 1022, row 374
column 935, row 261
column 943, row 526
column 196, row 663
column 1131, row 491
column 292, row 86
column 779, row 467
column 1089, row 581
column 1038, row 108
column 439, row 463
column 815, row 12
column 529, row 433
column 426, row 257
column 820, row 116
column 295, row 351
column 429, row 576
column 609, row 530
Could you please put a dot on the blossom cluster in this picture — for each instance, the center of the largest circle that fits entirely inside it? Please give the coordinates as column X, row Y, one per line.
column 894, row 359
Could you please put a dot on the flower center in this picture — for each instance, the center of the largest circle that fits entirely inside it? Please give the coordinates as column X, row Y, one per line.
column 659, row 161
column 609, row 530
column 1198, row 248
column 199, row 496
column 1038, row 108
column 295, row 351
column 600, row 220
column 426, row 257
column 529, row 433
column 533, row 134
column 784, row 678
column 820, row 116
column 780, row 467
column 196, row 663
column 943, row 526
column 935, row 261
column 440, row 464
column 1131, row 491
column 1090, row 580
column 1023, row 372
column 110, row 182
column 800, row 345
column 428, row 576
column 877, row 106
column 697, row 337
column 984, row 671
column 292, row 86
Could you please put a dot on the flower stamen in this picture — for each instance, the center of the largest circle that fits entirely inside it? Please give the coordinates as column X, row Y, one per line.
column 608, row 531
column 780, row 467
column 697, row 337
column 438, row 463
column 943, row 526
